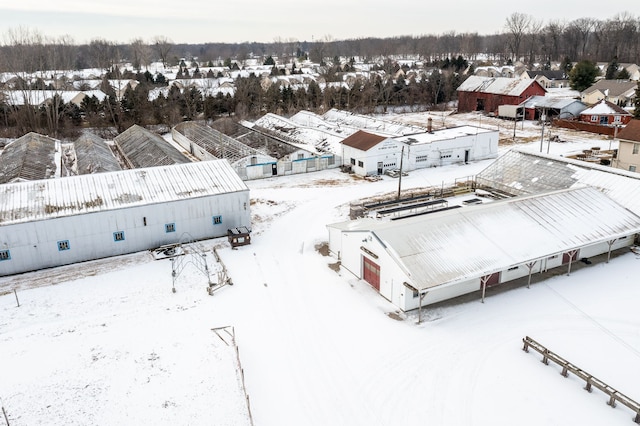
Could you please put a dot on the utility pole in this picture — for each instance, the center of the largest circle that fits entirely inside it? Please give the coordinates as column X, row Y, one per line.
column 400, row 176
column 543, row 118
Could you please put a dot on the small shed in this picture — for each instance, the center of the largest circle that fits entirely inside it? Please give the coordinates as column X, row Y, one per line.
column 240, row 236
column 552, row 107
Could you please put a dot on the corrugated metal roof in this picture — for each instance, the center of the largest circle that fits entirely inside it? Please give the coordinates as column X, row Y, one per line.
column 496, row 85
column 362, row 140
column 94, row 155
column 469, row 242
column 143, row 148
column 523, row 173
column 31, row 157
column 549, row 102
column 52, row 198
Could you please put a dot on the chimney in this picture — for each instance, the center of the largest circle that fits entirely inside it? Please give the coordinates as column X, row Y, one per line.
column 429, row 125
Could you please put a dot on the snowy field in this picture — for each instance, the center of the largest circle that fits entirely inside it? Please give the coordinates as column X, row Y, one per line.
column 109, row 343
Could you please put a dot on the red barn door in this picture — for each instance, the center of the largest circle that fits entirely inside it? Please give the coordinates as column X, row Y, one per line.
column 371, row 273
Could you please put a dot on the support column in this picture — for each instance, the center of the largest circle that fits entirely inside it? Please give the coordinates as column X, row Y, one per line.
column 610, row 242
column 530, row 265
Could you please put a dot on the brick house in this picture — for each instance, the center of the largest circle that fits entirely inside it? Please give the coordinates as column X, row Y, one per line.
column 605, row 113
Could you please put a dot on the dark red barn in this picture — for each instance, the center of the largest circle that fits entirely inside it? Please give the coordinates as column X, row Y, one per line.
column 487, row 93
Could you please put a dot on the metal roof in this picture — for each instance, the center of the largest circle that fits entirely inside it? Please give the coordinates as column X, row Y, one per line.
column 496, row 85
column 54, row 198
column 217, row 143
column 549, row 102
column 30, row 157
column 469, row 242
column 142, row 148
column 94, row 155
column 521, row 173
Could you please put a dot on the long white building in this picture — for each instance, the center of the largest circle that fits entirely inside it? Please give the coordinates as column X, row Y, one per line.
column 53, row 222
column 426, row 259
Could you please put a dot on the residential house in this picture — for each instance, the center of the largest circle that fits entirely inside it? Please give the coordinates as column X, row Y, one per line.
column 606, row 113
column 629, row 147
column 487, row 94
column 547, row 78
column 619, row 92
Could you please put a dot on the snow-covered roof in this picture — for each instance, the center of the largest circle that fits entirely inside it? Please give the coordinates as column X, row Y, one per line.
column 548, row 102
column 445, row 134
column 496, row 85
column 519, row 173
column 54, row 198
column 605, row 108
column 456, row 245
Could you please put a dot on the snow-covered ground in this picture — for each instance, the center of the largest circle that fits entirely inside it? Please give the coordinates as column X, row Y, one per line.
column 109, row 343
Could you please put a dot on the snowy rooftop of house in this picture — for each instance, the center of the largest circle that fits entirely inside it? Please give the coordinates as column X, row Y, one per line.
column 93, row 155
column 142, row 148
column 496, row 85
column 605, row 108
column 445, row 134
column 436, row 249
column 216, row 143
column 521, row 173
column 54, row 198
column 31, row 157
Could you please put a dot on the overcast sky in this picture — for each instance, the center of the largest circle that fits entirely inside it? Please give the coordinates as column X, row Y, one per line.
column 200, row 21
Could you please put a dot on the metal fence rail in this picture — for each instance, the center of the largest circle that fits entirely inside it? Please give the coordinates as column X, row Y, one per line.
column 591, row 381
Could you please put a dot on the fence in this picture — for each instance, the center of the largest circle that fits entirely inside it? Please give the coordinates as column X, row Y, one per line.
column 567, row 367
column 224, row 334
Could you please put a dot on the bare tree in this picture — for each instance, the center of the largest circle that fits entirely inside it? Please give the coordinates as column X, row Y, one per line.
column 517, row 26
column 163, row 47
column 141, row 54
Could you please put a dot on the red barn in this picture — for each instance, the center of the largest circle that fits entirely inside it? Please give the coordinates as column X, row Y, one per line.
column 487, row 93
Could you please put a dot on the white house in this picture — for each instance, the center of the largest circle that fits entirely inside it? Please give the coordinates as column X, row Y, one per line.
column 53, row 222
column 425, row 259
column 372, row 154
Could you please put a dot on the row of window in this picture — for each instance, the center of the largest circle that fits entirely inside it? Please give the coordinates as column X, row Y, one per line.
column 117, row 236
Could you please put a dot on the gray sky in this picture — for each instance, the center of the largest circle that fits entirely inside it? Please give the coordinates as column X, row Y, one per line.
column 200, row 21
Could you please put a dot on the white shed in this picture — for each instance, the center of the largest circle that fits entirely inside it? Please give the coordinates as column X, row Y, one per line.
column 426, row 259
column 53, row 222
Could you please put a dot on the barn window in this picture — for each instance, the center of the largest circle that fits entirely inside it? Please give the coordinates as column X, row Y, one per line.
column 170, row 227
column 63, row 245
column 217, row 220
column 118, row 236
column 5, row 255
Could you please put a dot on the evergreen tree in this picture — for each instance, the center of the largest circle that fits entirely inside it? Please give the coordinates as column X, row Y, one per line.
column 623, row 74
column 583, row 75
column 612, row 69
column 269, row 61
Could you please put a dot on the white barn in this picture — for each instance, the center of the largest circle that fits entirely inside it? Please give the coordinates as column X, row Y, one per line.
column 53, row 222
column 371, row 154
column 430, row 258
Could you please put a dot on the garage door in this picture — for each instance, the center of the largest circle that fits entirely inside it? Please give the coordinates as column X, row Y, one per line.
column 371, row 273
